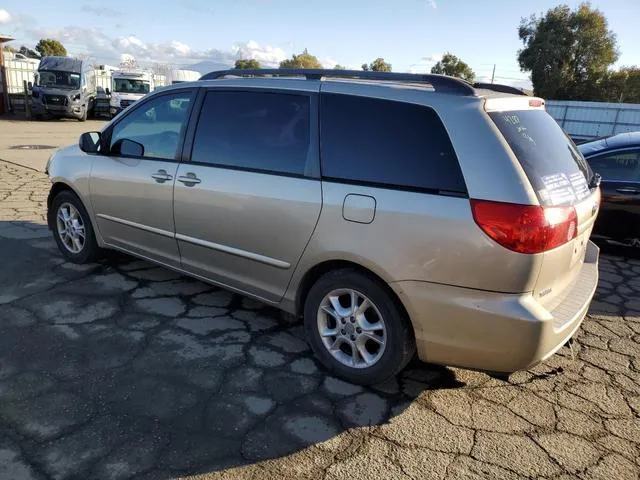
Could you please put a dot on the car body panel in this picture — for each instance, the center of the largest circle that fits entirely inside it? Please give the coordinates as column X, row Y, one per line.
column 619, row 219
column 132, row 210
column 245, row 229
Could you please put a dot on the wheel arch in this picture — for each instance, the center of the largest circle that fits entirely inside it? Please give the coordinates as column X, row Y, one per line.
column 314, row 273
column 58, row 187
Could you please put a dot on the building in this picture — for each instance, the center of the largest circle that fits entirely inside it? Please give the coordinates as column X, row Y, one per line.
column 4, row 100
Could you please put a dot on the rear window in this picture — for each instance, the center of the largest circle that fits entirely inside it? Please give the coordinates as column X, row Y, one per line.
column 556, row 169
column 387, row 144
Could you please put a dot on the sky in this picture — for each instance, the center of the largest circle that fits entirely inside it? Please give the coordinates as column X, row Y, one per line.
column 410, row 34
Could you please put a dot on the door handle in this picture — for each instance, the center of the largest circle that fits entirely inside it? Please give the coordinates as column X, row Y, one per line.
column 189, row 179
column 630, row 190
column 161, row 176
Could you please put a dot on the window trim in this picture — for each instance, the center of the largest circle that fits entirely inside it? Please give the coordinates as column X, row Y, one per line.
column 606, row 153
column 107, row 134
column 393, row 186
column 314, row 136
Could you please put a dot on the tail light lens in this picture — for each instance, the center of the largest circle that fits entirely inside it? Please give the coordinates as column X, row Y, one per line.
column 526, row 228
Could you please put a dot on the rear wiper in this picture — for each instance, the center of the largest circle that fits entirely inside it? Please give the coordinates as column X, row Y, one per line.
column 595, row 180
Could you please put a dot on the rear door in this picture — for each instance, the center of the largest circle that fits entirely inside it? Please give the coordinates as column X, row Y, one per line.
column 619, row 217
column 248, row 200
column 560, row 176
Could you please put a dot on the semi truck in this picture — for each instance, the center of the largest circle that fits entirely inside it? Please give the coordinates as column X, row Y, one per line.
column 127, row 87
column 64, row 87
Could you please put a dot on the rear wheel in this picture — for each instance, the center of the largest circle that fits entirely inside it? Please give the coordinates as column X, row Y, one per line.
column 72, row 228
column 356, row 329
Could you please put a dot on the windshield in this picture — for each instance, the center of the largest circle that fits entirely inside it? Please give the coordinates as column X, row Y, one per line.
column 556, row 169
column 130, row 85
column 50, row 78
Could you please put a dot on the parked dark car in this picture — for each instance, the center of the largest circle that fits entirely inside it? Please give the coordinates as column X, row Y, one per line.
column 617, row 160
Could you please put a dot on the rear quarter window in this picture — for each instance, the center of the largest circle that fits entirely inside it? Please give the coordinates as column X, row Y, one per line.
column 556, row 169
column 387, row 144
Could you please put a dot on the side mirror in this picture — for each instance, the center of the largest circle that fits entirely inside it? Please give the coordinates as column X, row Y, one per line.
column 128, row 148
column 90, row 142
column 107, row 91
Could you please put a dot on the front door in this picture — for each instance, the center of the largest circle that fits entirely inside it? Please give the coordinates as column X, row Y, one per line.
column 249, row 199
column 619, row 217
column 132, row 189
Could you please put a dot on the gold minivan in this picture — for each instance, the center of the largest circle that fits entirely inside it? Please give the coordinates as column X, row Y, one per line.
column 395, row 214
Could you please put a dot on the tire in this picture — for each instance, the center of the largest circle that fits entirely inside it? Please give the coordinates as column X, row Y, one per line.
column 397, row 333
column 89, row 250
column 83, row 117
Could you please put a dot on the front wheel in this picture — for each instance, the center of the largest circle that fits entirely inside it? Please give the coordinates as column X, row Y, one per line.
column 356, row 329
column 72, row 229
column 83, row 115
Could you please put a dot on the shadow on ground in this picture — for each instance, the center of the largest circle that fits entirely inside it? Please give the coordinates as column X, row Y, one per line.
column 125, row 370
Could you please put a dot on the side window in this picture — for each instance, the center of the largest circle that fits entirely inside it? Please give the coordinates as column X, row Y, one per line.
column 390, row 143
column 262, row 131
column 157, row 126
column 618, row 166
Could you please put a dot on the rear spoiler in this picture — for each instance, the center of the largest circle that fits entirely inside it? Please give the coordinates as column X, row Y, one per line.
column 496, row 87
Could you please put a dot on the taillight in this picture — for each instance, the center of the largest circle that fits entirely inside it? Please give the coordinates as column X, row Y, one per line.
column 526, row 228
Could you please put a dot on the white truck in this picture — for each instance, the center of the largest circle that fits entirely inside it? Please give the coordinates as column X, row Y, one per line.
column 127, row 87
column 181, row 76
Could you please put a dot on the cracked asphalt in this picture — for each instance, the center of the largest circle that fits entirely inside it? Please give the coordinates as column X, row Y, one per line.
column 123, row 370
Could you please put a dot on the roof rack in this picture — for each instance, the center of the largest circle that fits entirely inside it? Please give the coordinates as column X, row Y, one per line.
column 496, row 87
column 440, row 83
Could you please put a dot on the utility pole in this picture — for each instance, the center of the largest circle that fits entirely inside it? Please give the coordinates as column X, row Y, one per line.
column 493, row 75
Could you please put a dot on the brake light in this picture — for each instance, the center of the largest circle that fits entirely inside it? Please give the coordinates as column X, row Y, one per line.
column 526, row 228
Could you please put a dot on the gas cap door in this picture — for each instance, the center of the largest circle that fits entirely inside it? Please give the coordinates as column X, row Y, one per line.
column 359, row 208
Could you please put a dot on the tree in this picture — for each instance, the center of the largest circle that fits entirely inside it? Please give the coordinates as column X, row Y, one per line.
column 243, row 64
column 27, row 52
column 621, row 86
column 378, row 65
column 50, row 46
column 567, row 52
column 451, row 65
column 303, row 60
column 339, row 67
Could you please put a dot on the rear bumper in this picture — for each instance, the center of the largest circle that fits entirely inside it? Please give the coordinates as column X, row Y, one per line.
column 490, row 331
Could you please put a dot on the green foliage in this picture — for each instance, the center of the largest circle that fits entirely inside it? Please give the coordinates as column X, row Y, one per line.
column 50, row 46
column 303, row 60
column 339, row 67
column 621, row 86
column 451, row 65
column 378, row 65
column 568, row 52
column 244, row 64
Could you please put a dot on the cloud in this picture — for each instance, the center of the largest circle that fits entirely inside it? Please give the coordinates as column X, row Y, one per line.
column 5, row 17
column 101, row 11
column 94, row 42
column 267, row 56
column 432, row 4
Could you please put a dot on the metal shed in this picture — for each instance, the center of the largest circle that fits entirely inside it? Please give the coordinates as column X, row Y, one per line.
column 588, row 120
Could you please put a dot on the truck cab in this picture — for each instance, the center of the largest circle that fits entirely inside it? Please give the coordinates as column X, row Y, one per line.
column 127, row 87
column 64, row 87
